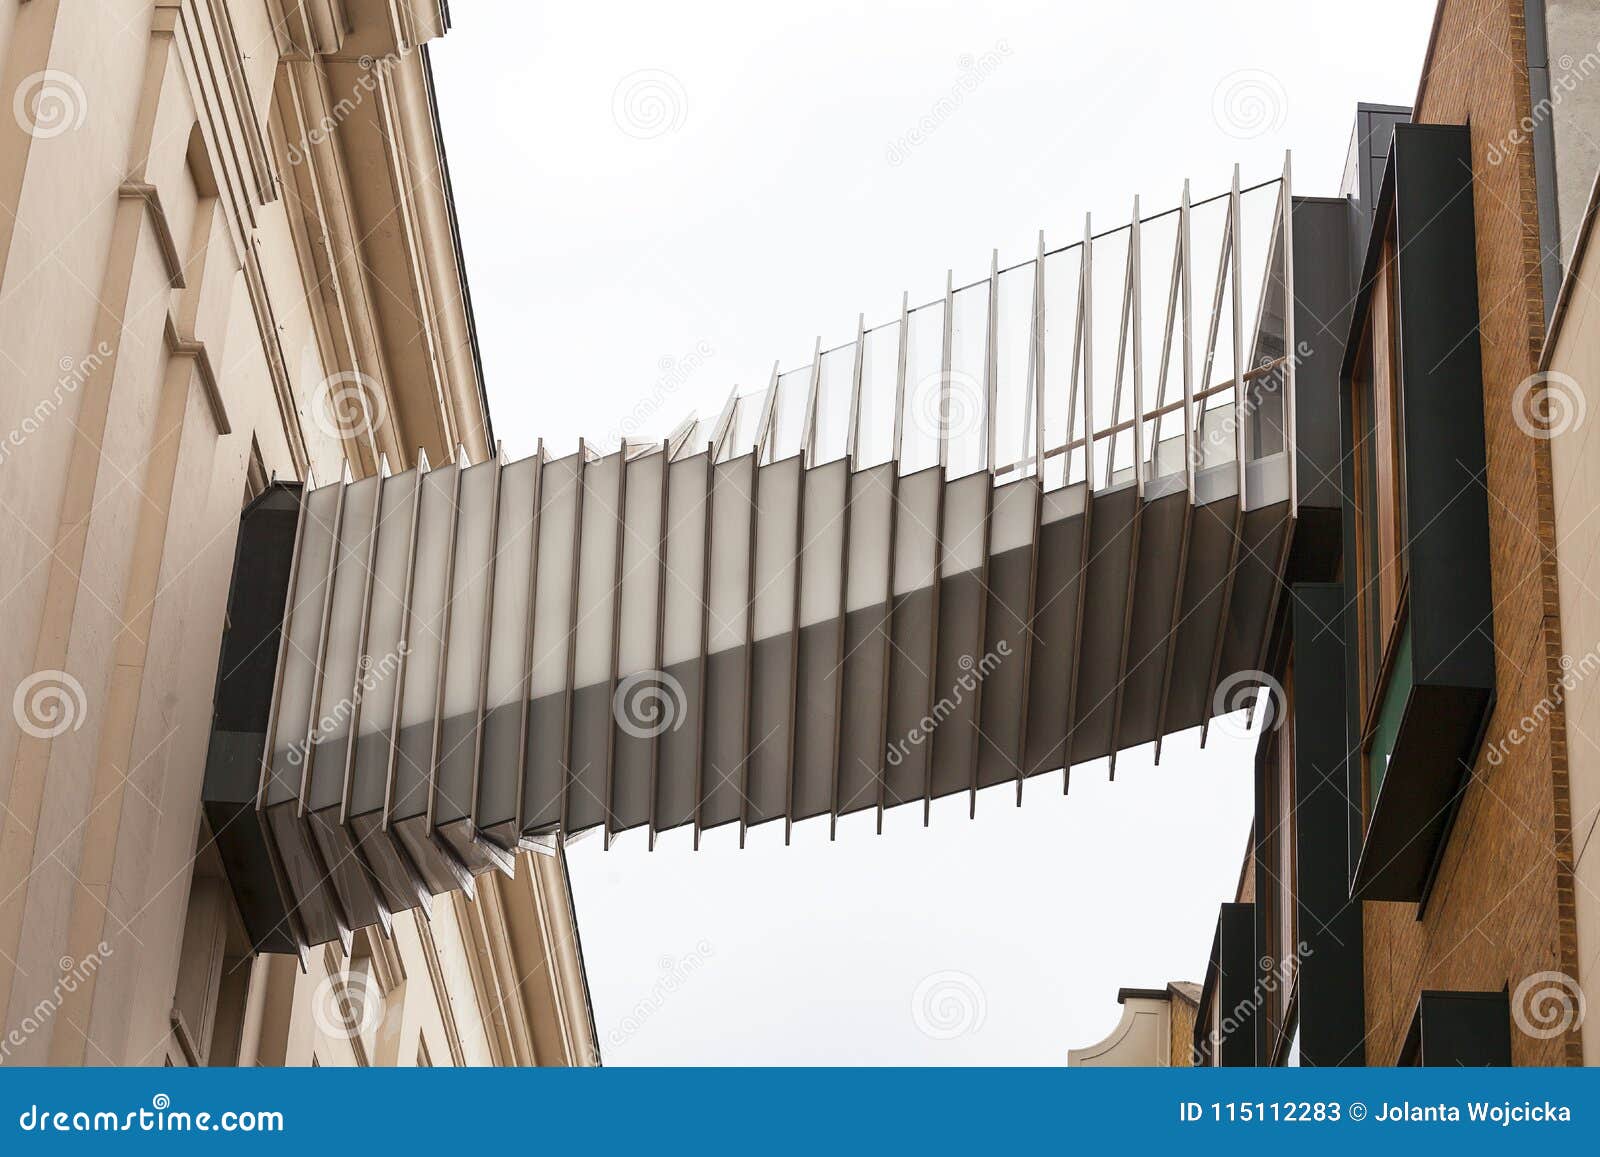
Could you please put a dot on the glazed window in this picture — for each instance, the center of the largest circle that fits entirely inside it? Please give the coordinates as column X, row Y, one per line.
column 1378, row 421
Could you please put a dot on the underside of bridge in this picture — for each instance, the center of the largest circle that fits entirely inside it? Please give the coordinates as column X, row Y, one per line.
column 1037, row 521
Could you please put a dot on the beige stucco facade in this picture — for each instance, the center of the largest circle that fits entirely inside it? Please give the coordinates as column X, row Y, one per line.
column 227, row 252
column 1156, row 1030
column 1569, row 410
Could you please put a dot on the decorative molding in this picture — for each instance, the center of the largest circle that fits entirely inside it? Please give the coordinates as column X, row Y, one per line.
column 183, row 347
column 151, row 196
column 185, row 1039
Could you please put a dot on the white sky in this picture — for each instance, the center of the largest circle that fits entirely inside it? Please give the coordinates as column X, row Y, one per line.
column 658, row 200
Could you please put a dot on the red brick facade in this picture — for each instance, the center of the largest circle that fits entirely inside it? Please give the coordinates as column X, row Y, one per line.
column 1502, row 907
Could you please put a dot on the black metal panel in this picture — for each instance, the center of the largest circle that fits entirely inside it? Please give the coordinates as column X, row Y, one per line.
column 1471, row 1029
column 1441, row 377
column 1448, row 676
column 1330, row 977
column 1231, row 991
column 1322, row 294
column 246, row 669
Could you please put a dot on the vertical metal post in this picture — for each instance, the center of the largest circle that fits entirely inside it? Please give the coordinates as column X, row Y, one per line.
column 946, row 357
column 807, row 452
column 525, row 707
column 1086, row 336
column 404, row 646
column 853, row 439
column 705, row 642
column 1239, row 354
column 486, row 626
column 572, row 641
column 661, row 635
column 886, row 688
column 1036, row 373
column 991, row 390
column 1291, row 350
column 851, row 445
column 1185, row 289
column 616, row 643
column 1136, row 527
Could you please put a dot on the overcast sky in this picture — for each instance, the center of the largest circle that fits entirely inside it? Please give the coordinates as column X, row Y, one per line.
column 658, row 200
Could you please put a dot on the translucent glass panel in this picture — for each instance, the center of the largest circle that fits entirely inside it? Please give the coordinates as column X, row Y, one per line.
column 879, row 383
column 509, row 652
column 966, row 400
column 414, row 744
column 386, row 646
column 302, row 653
column 924, row 404
column 1014, row 417
column 1063, row 409
column 833, row 403
column 330, row 734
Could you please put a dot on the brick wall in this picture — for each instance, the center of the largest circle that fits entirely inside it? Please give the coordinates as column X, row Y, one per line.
column 1502, row 906
column 1182, row 1026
